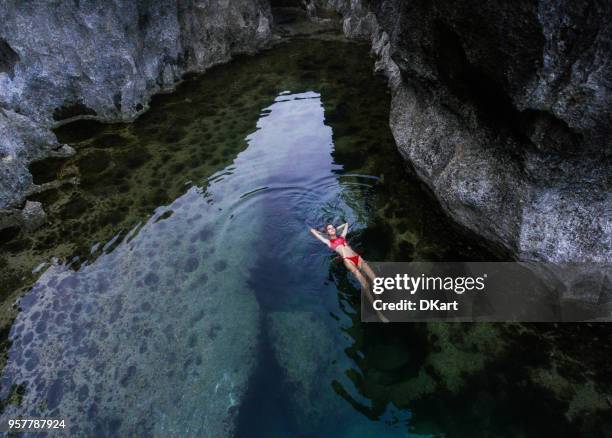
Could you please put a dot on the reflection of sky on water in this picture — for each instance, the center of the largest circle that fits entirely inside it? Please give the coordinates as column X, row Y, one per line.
column 159, row 335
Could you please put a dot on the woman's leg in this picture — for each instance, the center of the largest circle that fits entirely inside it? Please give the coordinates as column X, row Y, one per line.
column 351, row 267
column 364, row 284
column 366, row 268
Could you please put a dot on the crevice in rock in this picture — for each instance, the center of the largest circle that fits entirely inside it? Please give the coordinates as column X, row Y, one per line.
column 72, row 109
column 46, row 170
column 287, row 4
column 285, row 15
column 549, row 133
column 8, row 58
column 469, row 83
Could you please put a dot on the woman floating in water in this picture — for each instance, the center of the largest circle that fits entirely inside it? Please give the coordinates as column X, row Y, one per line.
column 353, row 261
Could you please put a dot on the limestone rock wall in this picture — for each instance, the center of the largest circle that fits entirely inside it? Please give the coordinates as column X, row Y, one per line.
column 503, row 109
column 63, row 59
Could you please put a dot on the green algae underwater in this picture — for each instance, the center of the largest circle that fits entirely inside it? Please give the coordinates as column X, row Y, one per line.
column 175, row 289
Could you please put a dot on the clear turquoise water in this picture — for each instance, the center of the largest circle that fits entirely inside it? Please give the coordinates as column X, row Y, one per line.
column 202, row 306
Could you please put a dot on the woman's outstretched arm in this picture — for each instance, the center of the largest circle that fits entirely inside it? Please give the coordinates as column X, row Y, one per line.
column 318, row 236
column 345, row 230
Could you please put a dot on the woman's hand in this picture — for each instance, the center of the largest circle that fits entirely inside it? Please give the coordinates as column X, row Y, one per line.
column 345, row 230
column 319, row 237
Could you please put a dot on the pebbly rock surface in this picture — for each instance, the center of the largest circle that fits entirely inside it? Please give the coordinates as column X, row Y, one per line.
column 504, row 110
column 152, row 338
column 60, row 60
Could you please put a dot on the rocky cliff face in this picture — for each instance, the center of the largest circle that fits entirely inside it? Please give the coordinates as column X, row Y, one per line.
column 60, row 60
column 503, row 109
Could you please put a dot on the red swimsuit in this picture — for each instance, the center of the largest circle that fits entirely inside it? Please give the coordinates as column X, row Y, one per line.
column 341, row 241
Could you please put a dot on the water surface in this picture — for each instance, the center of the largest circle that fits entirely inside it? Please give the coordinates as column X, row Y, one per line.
column 178, row 292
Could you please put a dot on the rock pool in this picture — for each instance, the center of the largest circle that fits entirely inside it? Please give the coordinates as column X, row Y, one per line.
column 176, row 291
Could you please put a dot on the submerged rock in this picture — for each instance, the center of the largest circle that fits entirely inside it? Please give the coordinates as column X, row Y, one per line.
column 29, row 218
column 503, row 111
column 131, row 345
column 304, row 348
column 21, row 141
